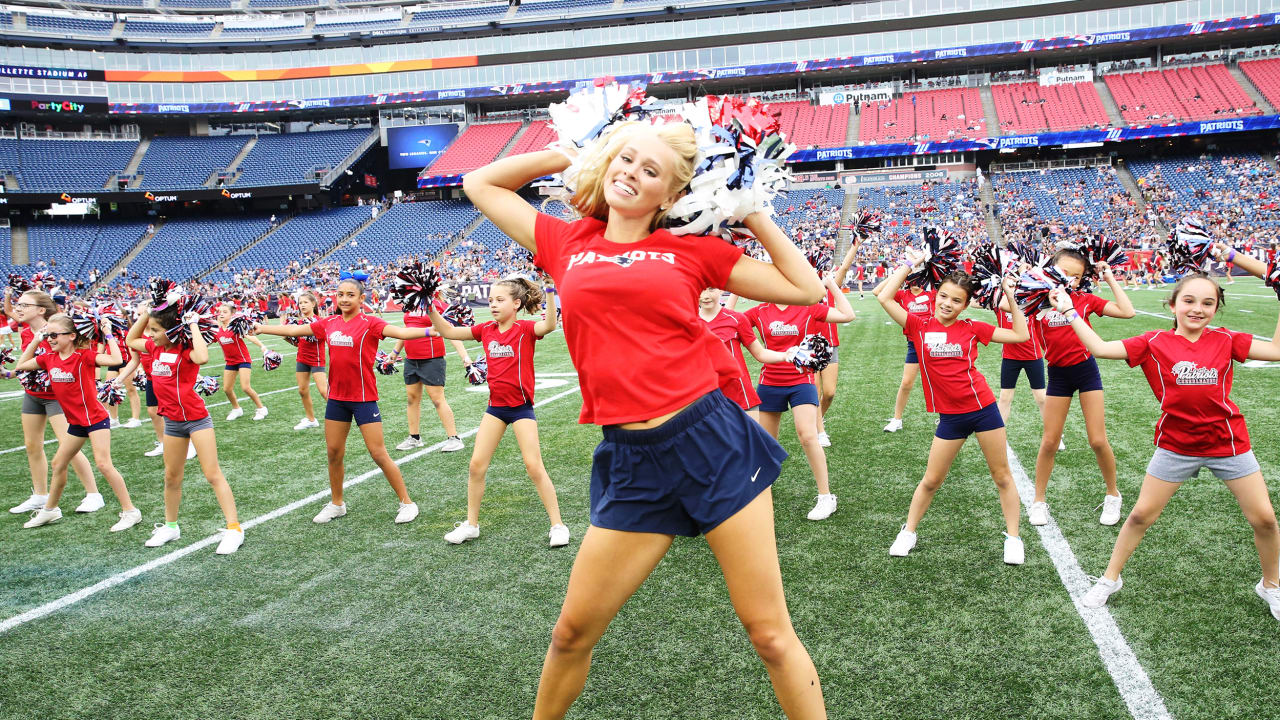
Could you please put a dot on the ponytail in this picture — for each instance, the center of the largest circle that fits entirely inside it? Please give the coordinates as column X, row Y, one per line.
column 42, row 299
column 528, row 296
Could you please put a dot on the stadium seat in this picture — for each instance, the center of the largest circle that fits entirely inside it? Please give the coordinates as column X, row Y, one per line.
column 1199, row 92
column 43, row 165
column 304, row 235
column 186, row 247
column 177, row 163
column 934, row 115
column 1265, row 75
column 287, row 159
column 78, row 246
column 419, row 229
column 1031, row 107
column 478, row 145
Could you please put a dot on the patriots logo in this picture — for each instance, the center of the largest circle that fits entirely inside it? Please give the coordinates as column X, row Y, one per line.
column 619, row 260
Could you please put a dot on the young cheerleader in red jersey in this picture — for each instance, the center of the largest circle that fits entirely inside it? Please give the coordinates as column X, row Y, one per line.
column 509, row 346
column 40, row 409
column 310, row 362
column 174, row 369
column 678, row 458
column 1190, row 370
column 122, row 374
column 352, row 338
column 947, row 349
column 1072, row 369
column 73, row 369
column 919, row 302
column 734, row 330
column 783, row 386
column 1018, row 358
column 828, row 376
column 424, row 367
column 238, row 364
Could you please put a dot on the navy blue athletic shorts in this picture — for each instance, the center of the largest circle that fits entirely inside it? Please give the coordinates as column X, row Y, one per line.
column 1070, row 379
column 152, row 400
column 912, row 357
column 1011, row 369
column 685, row 476
column 345, row 411
column 82, row 431
column 779, row 398
column 509, row 415
column 957, row 426
column 240, row 366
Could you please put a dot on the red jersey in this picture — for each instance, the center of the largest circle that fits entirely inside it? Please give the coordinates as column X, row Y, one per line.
column 310, row 350
column 27, row 335
column 919, row 304
column 780, row 329
column 1032, row 349
column 1192, row 381
column 352, row 346
column 234, row 350
column 144, row 362
column 830, row 331
column 510, row 357
column 428, row 347
column 173, row 380
column 639, row 353
column 952, row 384
column 733, row 329
column 74, row 380
column 1062, row 347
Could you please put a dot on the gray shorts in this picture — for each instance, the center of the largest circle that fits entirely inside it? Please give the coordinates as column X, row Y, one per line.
column 1175, row 468
column 305, row 368
column 186, row 428
column 835, row 354
column 32, row 405
column 427, row 372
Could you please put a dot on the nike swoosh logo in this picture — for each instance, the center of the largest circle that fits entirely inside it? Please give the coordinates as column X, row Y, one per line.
column 753, row 477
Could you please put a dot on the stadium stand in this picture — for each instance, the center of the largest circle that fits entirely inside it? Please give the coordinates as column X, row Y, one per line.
column 808, row 125
column 906, row 208
column 477, row 145
column 137, row 25
column 1200, row 92
column 6, row 250
column 304, row 236
column 64, row 165
column 560, row 7
column 447, row 15
column 342, row 21
column 399, row 233
column 1265, row 75
column 936, row 115
column 183, row 248
column 6, row 19
column 196, row 4
column 67, row 24
column 1040, row 207
column 140, row 4
column 289, row 158
column 181, row 163
column 537, row 137
column 72, row 248
column 266, row 24
column 1032, row 107
column 1237, row 188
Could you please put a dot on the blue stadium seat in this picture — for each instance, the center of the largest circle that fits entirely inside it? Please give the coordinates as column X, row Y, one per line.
column 78, row 246
column 67, row 25
column 178, row 163
column 406, row 230
column 304, row 236
column 184, row 248
column 46, row 165
column 286, row 159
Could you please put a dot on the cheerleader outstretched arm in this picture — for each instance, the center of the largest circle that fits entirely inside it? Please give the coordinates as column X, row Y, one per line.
column 842, row 272
column 1106, row 349
column 135, row 339
column 289, row 331
column 199, row 348
column 446, row 330
column 1121, row 307
column 1227, row 254
column 1019, row 332
column 842, row 311
column 547, row 324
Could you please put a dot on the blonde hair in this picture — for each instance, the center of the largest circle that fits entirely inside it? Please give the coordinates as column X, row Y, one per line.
column 45, row 302
column 528, row 296
column 588, row 200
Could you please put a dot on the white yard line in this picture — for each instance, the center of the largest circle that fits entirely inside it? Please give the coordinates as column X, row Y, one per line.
column 75, row 597
column 1131, row 679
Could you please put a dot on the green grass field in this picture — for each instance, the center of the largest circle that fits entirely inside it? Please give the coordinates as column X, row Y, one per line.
column 366, row 619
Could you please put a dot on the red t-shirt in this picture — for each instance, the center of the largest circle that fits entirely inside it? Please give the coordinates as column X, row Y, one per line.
column 352, row 346
column 510, row 357
column 27, row 335
column 234, row 350
column 173, row 380
column 428, row 347
column 919, row 304
column 952, row 384
column 830, row 331
column 631, row 315
column 781, row 329
column 1192, row 381
column 1062, row 347
column 311, row 351
column 74, row 380
column 144, row 362
column 1032, row 349
column 733, row 329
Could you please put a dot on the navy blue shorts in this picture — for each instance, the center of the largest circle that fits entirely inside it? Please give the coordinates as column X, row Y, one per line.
column 1011, row 369
column 240, row 366
column 152, row 400
column 912, row 357
column 685, row 476
column 344, row 411
column 779, row 398
column 82, row 431
column 957, row 426
column 305, row 368
column 1071, row 379
column 509, row 415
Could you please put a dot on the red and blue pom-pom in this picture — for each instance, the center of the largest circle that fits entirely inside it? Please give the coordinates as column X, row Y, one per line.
column 813, row 354
column 207, row 385
column 271, row 360
column 477, row 372
column 110, row 393
column 384, row 362
column 414, row 285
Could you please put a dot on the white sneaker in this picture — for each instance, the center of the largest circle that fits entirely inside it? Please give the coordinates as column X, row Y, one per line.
column 1102, row 589
column 156, row 451
column 162, row 534
column 410, row 443
column 559, row 535
column 464, row 531
column 259, row 414
column 131, row 423
column 895, row 424
column 115, row 423
column 235, row 413
column 191, row 450
column 230, row 542
column 823, row 509
column 329, row 512
column 1062, row 444
column 408, row 511
column 1271, row 596
column 1110, row 510
column 304, row 424
column 92, row 502
column 452, row 444
column 824, row 440
column 903, row 543
column 1014, row 551
column 1038, row 513
column 128, row 519
column 43, row 517
column 35, row 502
